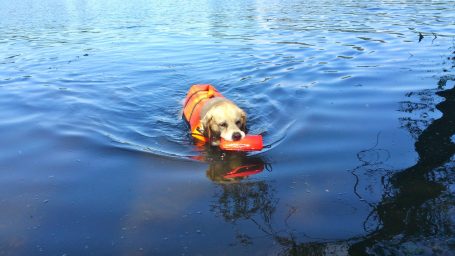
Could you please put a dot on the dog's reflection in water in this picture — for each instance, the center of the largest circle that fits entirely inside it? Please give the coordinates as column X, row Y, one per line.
column 229, row 167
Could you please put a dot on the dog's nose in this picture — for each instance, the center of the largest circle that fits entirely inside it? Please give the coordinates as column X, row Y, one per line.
column 236, row 136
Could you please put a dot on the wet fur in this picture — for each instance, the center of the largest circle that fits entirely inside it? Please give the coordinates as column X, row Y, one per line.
column 218, row 112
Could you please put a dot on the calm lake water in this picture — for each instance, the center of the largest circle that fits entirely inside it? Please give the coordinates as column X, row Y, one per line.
column 355, row 100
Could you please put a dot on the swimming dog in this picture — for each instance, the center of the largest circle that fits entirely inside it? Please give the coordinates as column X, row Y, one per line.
column 212, row 116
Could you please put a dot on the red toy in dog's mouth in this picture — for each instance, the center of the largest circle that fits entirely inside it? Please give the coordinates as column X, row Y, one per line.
column 249, row 143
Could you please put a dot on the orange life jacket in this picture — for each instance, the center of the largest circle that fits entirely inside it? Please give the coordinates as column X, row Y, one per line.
column 197, row 96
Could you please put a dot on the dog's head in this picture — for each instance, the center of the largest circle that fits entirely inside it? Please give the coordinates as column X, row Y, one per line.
column 224, row 120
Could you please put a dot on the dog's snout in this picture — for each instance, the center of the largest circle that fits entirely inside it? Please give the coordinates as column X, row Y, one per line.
column 236, row 136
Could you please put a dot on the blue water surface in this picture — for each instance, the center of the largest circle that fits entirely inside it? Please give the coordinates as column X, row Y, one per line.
column 352, row 98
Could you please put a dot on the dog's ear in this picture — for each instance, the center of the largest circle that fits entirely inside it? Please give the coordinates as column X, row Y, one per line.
column 215, row 133
column 211, row 130
column 205, row 123
column 243, row 120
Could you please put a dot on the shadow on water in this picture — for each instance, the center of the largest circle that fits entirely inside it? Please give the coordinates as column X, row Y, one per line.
column 411, row 209
column 414, row 216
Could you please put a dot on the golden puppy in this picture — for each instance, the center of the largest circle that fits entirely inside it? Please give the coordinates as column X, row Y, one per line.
column 221, row 118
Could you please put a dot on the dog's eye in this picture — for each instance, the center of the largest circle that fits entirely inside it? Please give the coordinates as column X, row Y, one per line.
column 238, row 122
column 223, row 124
